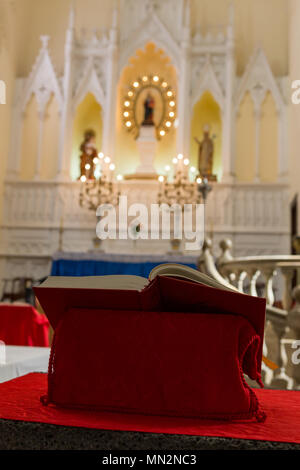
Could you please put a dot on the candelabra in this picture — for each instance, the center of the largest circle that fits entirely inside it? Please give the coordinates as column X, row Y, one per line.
column 178, row 192
column 181, row 190
column 102, row 189
column 95, row 192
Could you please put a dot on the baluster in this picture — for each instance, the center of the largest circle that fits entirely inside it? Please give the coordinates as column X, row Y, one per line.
column 294, row 323
column 254, row 274
column 241, row 277
column 268, row 291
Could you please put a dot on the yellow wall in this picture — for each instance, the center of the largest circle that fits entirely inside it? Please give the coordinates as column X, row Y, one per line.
column 29, row 145
column 49, row 165
column 256, row 22
column 207, row 111
column 11, row 33
column 245, row 141
column 88, row 116
column 268, row 152
column 149, row 61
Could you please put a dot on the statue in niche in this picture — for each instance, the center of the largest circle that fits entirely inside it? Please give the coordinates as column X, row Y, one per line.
column 149, row 105
column 206, row 155
column 88, row 153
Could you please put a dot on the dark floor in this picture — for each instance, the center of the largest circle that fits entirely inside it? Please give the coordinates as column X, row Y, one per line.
column 19, row 435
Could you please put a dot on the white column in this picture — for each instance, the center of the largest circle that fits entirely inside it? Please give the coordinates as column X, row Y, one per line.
column 183, row 98
column 228, row 121
column 109, row 125
column 66, row 123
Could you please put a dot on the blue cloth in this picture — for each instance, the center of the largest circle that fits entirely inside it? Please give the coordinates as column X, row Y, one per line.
column 65, row 267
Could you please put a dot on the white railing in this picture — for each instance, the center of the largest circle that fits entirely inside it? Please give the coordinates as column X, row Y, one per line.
column 283, row 324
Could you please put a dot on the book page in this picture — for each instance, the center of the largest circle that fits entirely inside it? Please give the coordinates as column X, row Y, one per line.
column 185, row 272
column 122, row 282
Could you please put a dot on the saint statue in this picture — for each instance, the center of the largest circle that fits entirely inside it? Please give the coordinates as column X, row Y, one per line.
column 149, row 105
column 206, row 154
column 88, row 153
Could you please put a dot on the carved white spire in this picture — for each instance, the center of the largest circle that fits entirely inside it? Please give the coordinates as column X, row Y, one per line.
column 70, row 33
column 44, row 41
column 114, row 25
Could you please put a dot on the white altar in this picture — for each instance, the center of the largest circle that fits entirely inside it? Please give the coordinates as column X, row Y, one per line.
column 42, row 213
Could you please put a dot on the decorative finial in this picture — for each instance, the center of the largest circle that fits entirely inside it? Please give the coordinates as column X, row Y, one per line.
column 44, row 40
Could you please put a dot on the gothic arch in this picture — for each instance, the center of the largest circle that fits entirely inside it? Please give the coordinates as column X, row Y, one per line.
column 42, row 81
column 89, row 83
column 144, row 34
column 208, row 82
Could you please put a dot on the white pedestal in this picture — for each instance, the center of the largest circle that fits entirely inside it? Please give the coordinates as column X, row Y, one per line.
column 146, row 143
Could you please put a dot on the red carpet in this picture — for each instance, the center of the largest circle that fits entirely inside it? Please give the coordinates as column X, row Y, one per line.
column 20, row 400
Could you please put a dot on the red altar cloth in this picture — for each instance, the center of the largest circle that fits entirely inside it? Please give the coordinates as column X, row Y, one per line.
column 22, row 325
column 20, row 400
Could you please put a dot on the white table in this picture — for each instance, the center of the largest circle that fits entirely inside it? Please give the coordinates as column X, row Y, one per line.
column 21, row 360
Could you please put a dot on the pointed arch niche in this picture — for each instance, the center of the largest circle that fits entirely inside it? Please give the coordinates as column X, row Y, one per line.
column 207, row 111
column 88, row 115
column 150, row 60
column 245, row 140
column 30, row 134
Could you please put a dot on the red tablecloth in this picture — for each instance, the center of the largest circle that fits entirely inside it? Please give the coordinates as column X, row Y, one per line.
column 22, row 325
column 20, row 400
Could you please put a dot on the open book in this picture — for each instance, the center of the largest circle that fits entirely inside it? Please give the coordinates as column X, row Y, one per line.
column 170, row 287
column 130, row 282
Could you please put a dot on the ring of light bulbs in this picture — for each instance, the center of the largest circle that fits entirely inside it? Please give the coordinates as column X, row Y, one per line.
column 168, row 99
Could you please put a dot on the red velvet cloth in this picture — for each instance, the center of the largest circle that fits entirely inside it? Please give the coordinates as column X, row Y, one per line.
column 165, row 363
column 119, row 355
column 20, row 400
column 22, row 325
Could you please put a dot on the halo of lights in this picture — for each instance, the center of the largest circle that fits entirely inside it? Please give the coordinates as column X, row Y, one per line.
column 168, row 117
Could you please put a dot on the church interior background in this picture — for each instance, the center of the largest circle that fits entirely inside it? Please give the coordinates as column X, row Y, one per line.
column 100, row 68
